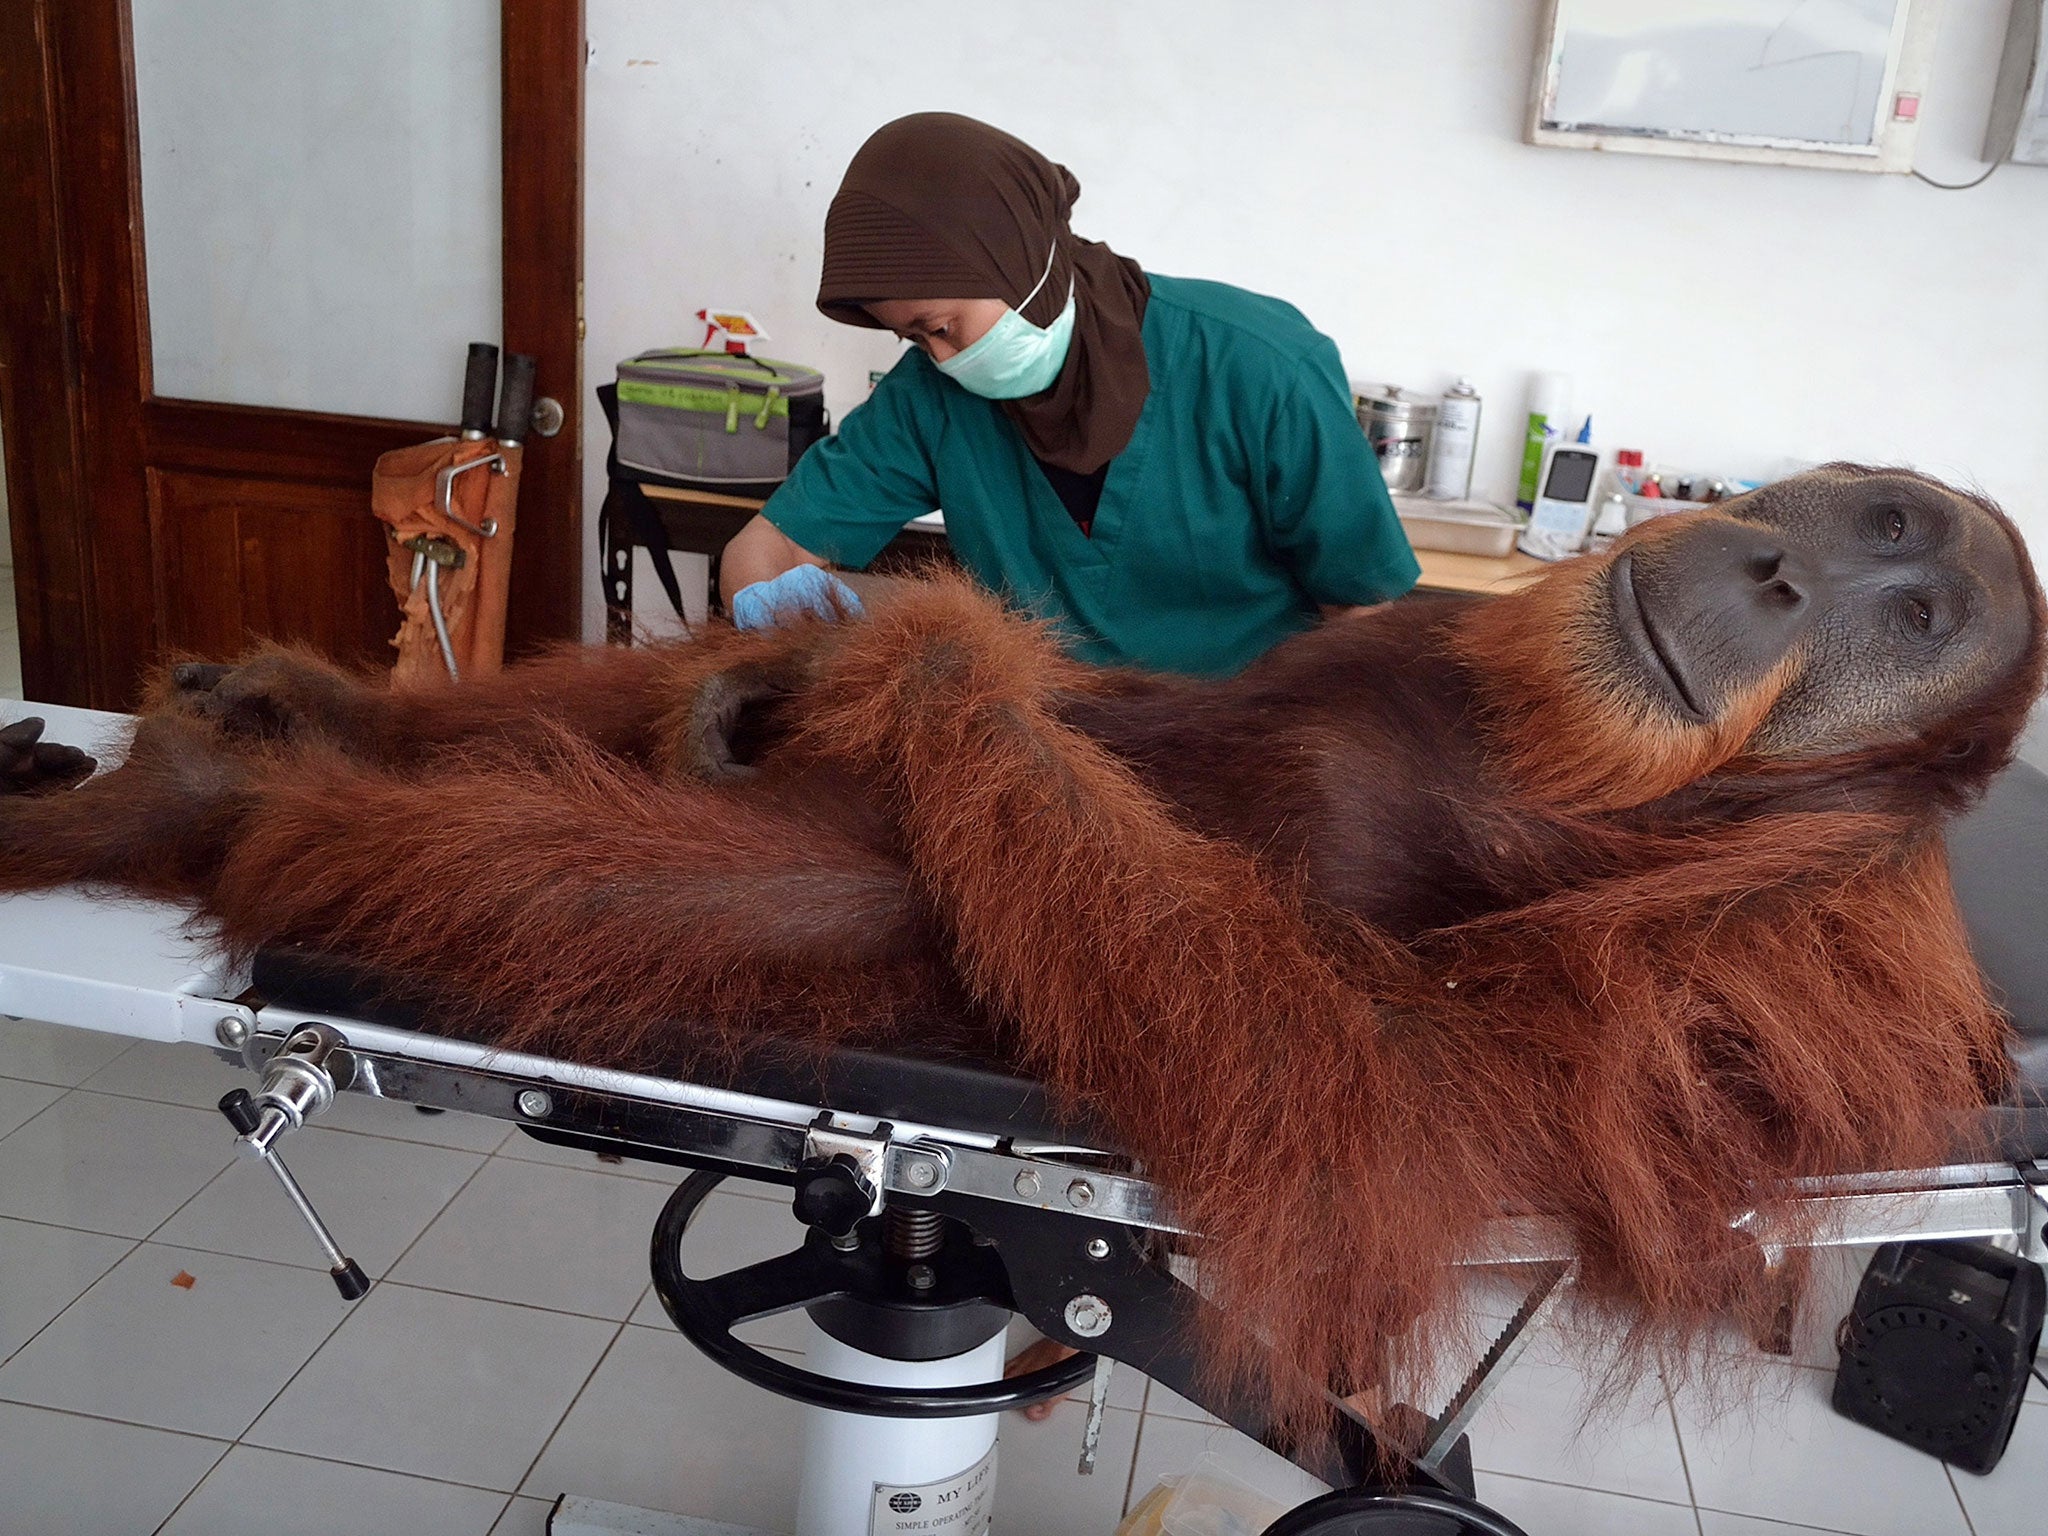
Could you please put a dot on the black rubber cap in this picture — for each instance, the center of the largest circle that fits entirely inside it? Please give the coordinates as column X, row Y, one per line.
column 350, row 1280
column 831, row 1195
column 515, row 398
column 240, row 1110
column 479, row 377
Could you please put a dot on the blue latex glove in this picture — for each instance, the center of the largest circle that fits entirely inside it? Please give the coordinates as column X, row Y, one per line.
column 801, row 592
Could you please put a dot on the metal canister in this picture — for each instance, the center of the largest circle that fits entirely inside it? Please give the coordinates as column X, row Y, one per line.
column 1398, row 424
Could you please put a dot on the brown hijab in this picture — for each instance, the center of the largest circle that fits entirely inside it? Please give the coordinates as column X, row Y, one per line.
column 939, row 206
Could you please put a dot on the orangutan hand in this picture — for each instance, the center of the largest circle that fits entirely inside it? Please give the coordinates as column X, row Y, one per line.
column 276, row 696
column 30, row 766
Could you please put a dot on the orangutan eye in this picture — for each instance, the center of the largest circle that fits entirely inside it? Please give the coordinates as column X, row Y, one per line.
column 1920, row 613
column 1894, row 524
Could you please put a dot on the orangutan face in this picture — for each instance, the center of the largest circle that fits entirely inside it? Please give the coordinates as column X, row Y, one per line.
column 1873, row 602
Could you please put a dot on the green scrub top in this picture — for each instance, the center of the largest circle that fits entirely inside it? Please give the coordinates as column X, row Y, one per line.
column 1247, row 495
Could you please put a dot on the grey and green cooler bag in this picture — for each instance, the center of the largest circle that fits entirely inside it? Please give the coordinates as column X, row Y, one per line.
column 702, row 421
column 716, row 421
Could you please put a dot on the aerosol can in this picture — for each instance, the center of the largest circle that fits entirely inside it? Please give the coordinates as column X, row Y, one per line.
column 1456, row 440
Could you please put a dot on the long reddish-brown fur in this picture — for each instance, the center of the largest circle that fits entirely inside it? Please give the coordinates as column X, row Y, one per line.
column 1672, row 981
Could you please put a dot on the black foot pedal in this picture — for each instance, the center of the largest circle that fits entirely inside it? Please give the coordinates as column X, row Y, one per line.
column 1937, row 1351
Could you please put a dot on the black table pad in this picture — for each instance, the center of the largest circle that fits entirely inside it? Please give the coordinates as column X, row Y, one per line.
column 942, row 1090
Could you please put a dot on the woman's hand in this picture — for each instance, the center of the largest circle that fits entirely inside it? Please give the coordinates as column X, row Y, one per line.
column 801, row 592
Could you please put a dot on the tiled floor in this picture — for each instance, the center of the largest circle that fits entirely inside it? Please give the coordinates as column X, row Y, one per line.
column 172, row 1360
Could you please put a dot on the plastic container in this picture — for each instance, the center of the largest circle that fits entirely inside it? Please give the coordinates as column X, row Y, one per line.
column 1642, row 508
column 1457, row 527
column 1206, row 1500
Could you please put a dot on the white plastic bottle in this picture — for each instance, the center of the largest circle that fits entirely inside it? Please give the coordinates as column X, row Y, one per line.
column 1456, row 440
column 1611, row 522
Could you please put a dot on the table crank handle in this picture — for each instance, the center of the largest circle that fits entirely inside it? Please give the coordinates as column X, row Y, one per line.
column 241, row 1112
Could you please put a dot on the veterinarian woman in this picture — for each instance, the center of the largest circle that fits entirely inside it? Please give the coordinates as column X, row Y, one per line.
column 1170, row 470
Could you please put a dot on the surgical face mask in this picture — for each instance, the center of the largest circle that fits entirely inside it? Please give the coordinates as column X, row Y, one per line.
column 1015, row 358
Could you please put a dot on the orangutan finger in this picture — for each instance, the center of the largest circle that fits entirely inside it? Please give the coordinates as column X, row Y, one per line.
column 18, row 753
column 199, row 676
column 21, row 735
column 58, row 763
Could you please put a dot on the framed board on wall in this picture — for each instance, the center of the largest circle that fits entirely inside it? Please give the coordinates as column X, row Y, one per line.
column 1835, row 84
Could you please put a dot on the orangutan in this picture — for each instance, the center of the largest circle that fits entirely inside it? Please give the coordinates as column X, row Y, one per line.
column 1618, row 901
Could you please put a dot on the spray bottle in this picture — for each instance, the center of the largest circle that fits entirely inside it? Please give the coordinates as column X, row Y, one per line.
column 1456, row 439
column 1548, row 397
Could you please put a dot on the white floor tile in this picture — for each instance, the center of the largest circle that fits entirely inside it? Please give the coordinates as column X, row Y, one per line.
column 1836, row 1274
column 42, row 1271
column 754, row 1189
column 439, row 1386
column 526, row 1149
column 376, row 1196
column 2013, row 1499
column 1127, row 1387
column 662, row 1427
column 1555, row 1509
column 730, row 1231
column 171, row 1074
column 1795, row 1459
column 402, row 1122
column 1171, row 1446
column 542, row 1236
column 1714, row 1522
column 522, row 1147
column 524, row 1517
column 21, row 1102
column 110, row 1165
column 1039, row 1488
column 1544, row 1421
column 267, row 1493
column 86, row 1477
column 1169, row 1404
column 53, row 1053
column 202, row 1359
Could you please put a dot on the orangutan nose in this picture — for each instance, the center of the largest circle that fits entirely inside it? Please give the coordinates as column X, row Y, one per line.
column 1779, row 582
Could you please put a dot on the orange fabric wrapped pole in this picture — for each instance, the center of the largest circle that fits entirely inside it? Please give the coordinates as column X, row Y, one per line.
column 449, row 508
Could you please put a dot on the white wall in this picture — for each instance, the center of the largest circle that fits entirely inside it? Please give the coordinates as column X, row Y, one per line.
column 1362, row 159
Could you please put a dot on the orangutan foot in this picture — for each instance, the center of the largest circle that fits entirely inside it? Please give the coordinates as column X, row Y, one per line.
column 275, row 697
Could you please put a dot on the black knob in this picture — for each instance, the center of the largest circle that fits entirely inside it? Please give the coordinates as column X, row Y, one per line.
column 350, row 1280
column 240, row 1110
column 832, row 1194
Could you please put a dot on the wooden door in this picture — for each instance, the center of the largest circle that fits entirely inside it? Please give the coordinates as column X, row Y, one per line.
column 145, row 523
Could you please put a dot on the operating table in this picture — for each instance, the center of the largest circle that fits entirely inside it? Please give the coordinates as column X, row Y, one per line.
column 942, row 1196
